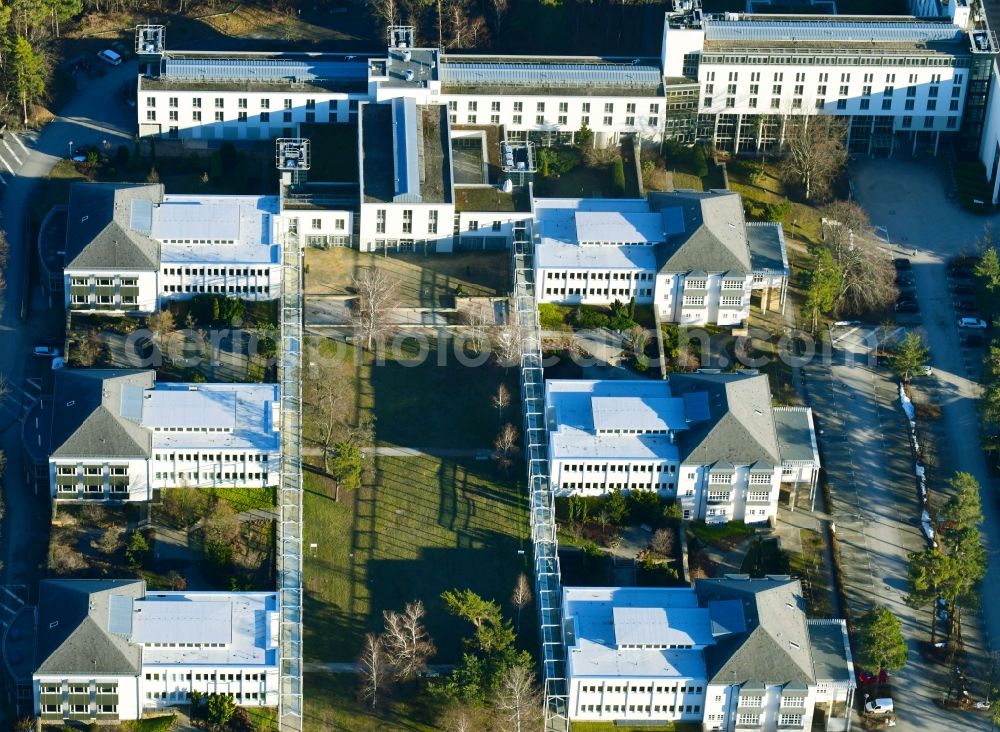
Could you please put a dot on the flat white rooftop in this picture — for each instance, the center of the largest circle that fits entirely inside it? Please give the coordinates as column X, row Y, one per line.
column 216, row 229
column 210, row 416
column 566, row 222
column 583, row 416
column 251, row 628
column 602, row 618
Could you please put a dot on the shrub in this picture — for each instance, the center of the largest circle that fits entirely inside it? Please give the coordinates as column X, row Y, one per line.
column 137, row 550
column 587, row 318
column 551, row 316
column 644, row 507
column 698, row 161
column 618, row 176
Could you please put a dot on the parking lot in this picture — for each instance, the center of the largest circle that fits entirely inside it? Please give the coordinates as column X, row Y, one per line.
column 14, row 150
column 910, row 198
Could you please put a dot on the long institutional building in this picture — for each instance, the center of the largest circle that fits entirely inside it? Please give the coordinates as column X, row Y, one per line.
column 713, row 441
column 111, row 650
column 737, row 80
column 118, row 435
column 732, row 653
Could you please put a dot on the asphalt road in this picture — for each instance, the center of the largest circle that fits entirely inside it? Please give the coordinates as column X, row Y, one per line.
column 910, row 199
column 94, row 116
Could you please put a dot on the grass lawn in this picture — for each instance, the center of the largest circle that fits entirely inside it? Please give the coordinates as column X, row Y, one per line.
column 765, row 557
column 332, row 706
column 433, row 405
column 484, row 199
column 334, row 151
column 720, row 534
column 802, row 220
column 245, row 499
column 817, row 583
column 54, row 189
column 425, row 281
column 580, row 182
column 425, row 526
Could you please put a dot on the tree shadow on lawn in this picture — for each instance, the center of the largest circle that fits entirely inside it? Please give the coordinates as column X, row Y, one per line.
column 432, row 405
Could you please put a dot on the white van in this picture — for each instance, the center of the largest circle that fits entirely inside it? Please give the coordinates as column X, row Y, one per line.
column 109, row 56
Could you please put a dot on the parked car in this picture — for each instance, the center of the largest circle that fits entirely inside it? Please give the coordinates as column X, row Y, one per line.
column 881, row 705
column 48, row 351
column 963, row 288
column 926, row 370
column 907, row 306
column 109, row 57
column 902, row 263
column 966, row 307
column 973, row 340
column 84, row 153
column 961, row 273
column 972, row 323
column 904, row 280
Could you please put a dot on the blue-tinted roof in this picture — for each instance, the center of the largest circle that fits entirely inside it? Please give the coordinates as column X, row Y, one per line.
column 568, row 75
column 405, row 139
column 120, row 614
column 831, row 31
column 262, row 70
column 142, row 215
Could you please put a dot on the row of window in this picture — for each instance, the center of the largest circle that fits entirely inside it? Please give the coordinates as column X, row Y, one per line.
column 600, row 275
column 824, row 77
column 213, row 456
column 218, row 271
column 80, row 708
column 609, row 107
column 104, row 281
column 338, row 224
column 104, row 300
column 262, row 103
column 642, row 689
column 643, row 708
column 238, row 676
column 221, row 289
column 77, row 689
column 210, row 476
column 642, row 292
column 183, row 695
column 611, row 486
column 820, row 103
column 619, row 468
column 92, row 470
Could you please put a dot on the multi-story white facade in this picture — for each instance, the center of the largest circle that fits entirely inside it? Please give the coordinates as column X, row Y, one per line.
column 108, row 650
column 891, row 78
column 130, row 248
column 118, row 435
column 730, row 653
column 691, row 255
column 252, row 96
column 710, row 440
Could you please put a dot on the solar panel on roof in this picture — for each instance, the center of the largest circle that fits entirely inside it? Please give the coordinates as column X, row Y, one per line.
column 263, row 70
column 840, row 31
column 516, row 74
column 120, row 614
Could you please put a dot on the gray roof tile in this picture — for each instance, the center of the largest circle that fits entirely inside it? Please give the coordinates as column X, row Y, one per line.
column 87, row 420
column 98, row 228
column 72, row 635
column 714, row 237
column 740, row 427
column 775, row 647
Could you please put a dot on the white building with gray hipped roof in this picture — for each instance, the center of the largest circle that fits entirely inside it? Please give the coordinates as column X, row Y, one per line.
column 109, row 650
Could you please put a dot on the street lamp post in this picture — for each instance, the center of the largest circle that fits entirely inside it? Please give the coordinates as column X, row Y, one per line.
column 71, row 149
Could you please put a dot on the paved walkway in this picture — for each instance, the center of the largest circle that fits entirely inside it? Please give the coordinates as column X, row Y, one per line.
column 443, row 452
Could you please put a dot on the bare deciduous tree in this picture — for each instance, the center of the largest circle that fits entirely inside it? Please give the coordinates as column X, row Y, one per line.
column 110, row 541
column 478, row 317
column 377, row 293
column 406, row 640
column 499, row 12
column 501, row 399
column 867, row 273
column 373, row 670
column 521, row 596
column 386, row 13
column 457, row 719
column 518, row 700
column 663, row 542
column 815, row 153
column 505, row 446
column 507, row 343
